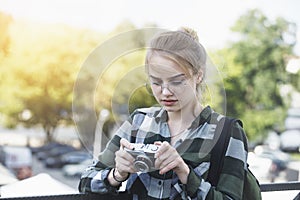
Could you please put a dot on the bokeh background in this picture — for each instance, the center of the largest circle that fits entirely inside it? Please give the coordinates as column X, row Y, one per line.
column 44, row 45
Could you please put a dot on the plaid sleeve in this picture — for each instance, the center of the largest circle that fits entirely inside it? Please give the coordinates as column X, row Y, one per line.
column 94, row 178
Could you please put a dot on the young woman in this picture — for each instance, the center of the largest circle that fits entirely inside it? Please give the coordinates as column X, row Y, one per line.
column 180, row 128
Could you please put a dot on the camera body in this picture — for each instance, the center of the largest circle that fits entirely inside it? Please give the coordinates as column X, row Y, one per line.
column 144, row 155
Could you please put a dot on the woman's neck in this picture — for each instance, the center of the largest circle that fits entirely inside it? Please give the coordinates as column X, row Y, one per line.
column 181, row 120
column 185, row 115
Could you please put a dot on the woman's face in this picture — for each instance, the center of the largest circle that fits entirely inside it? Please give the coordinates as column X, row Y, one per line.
column 172, row 87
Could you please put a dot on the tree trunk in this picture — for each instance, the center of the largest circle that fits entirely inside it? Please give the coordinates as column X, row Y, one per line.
column 49, row 130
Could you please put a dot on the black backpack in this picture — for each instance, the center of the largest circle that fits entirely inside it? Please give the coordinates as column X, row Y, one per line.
column 251, row 185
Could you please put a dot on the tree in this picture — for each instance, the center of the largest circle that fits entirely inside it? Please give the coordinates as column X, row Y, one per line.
column 41, row 72
column 255, row 69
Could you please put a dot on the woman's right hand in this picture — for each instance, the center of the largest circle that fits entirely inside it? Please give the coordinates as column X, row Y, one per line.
column 124, row 164
column 124, row 161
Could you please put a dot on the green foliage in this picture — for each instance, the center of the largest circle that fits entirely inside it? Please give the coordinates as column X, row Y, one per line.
column 295, row 80
column 255, row 70
column 40, row 71
column 258, row 122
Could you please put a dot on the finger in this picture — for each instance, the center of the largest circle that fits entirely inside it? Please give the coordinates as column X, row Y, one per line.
column 124, row 155
column 157, row 143
column 171, row 163
column 162, row 149
column 125, row 143
column 170, row 166
column 169, row 154
column 124, row 163
column 164, row 160
column 160, row 160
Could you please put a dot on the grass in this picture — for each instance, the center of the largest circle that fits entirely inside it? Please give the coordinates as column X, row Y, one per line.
column 295, row 156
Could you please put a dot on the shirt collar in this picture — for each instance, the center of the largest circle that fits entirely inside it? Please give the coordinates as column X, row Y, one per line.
column 161, row 115
column 205, row 115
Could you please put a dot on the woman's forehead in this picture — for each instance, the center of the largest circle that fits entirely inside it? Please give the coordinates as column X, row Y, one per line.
column 155, row 71
column 161, row 65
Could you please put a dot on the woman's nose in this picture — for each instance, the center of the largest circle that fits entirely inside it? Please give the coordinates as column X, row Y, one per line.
column 165, row 90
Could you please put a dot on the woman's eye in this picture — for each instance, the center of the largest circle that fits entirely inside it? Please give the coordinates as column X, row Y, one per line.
column 176, row 83
column 155, row 83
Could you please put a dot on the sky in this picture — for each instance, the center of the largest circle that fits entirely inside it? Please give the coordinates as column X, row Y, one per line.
column 212, row 19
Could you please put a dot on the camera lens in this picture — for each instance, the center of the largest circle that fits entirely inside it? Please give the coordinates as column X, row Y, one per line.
column 141, row 166
column 142, row 163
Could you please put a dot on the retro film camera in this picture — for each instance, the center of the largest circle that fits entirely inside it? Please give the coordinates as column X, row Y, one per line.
column 144, row 156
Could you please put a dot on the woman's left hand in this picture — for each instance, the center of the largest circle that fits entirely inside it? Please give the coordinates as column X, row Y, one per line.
column 167, row 158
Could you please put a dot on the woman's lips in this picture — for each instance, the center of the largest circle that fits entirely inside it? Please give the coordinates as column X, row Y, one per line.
column 168, row 102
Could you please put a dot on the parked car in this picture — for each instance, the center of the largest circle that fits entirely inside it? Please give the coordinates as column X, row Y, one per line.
column 272, row 140
column 75, row 170
column 73, row 157
column 290, row 141
column 279, row 158
column 260, row 167
column 46, row 147
column 293, row 119
column 292, row 123
column 293, row 111
column 57, row 151
column 17, row 159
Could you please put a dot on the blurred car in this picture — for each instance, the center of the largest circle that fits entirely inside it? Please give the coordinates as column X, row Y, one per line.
column 46, row 147
column 57, row 151
column 17, row 159
column 290, row 141
column 260, row 167
column 272, row 140
column 75, row 170
column 73, row 157
column 294, row 112
column 280, row 159
column 293, row 119
column 292, row 123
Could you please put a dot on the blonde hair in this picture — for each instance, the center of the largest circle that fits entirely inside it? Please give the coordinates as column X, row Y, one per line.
column 181, row 46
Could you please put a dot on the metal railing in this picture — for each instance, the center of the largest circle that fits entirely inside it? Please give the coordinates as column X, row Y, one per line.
column 272, row 187
column 265, row 187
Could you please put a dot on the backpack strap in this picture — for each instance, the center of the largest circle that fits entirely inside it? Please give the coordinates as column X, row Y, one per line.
column 219, row 149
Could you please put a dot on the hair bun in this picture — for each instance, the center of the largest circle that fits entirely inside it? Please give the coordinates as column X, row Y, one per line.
column 191, row 32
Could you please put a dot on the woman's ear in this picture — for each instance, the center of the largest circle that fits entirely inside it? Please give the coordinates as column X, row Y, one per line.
column 199, row 77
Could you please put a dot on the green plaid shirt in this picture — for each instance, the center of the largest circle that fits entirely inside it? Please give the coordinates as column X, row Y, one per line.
column 147, row 125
